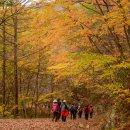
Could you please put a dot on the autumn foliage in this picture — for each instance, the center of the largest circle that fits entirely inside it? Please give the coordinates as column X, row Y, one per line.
column 75, row 49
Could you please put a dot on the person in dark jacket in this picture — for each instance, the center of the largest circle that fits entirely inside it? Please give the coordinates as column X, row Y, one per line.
column 59, row 103
column 73, row 111
column 64, row 111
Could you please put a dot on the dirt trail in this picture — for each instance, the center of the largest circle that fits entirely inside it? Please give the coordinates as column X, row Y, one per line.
column 47, row 124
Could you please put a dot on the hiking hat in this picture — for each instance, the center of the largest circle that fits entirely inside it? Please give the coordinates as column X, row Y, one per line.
column 64, row 100
column 55, row 100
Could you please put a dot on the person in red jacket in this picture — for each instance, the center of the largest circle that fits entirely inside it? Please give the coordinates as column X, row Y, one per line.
column 55, row 110
column 86, row 111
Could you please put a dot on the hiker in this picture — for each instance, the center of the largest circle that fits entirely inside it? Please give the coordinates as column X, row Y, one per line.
column 55, row 110
column 59, row 103
column 80, row 111
column 73, row 111
column 91, row 111
column 64, row 111
column 86, row 111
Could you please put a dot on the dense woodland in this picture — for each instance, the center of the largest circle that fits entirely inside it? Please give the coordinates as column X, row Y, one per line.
column 78, row 50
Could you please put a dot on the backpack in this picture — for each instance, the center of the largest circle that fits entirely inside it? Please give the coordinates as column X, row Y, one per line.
column 73, row 108
column 55, row 108
column 63, row 108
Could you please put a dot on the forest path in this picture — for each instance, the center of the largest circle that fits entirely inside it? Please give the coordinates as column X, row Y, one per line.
column 47, row 124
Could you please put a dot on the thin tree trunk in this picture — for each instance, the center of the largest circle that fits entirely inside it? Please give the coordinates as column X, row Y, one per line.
column 20, row 81
column 4, row 69
column 37, row 86
column 28, row 85
column 15, row 63
column 31, row 108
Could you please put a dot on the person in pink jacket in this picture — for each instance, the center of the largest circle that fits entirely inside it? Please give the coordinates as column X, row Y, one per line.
column 55, row 110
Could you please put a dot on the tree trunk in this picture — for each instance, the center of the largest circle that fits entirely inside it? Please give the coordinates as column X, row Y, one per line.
column 15, row 64
column 37, row 86
column 20, row 81
column 4, row 69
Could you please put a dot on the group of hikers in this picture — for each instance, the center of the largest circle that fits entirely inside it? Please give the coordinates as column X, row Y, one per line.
column 61, row 109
